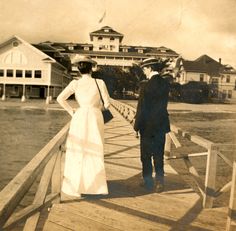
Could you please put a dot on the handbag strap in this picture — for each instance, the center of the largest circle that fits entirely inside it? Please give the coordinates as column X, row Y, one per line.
column 99, row 92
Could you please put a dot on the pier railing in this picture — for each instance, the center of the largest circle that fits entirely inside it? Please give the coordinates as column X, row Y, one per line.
column 212, row 151
column 46, row 163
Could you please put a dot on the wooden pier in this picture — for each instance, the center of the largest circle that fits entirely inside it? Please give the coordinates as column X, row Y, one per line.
column 127, row 206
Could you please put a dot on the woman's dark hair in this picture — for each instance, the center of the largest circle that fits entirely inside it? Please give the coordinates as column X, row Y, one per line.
column 85, row 67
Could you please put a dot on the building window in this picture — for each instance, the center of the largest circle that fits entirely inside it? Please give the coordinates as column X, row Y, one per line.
column 37, row 74
column 224, row 93
column 9, row 73
column 201, row 77
column 228, row 79
column 112, row 47
column 112, row 39
column 1, row 72
column 215, row 81
column 19, row 73
column 140, row 51
column 99, row 38
column 125, row 49
column 229, row 94
column 28, row 74
column 128, row 58
column 86, row 48
column 71, row 48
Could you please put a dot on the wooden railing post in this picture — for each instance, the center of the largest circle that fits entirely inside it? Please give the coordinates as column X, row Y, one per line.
column 210, row 176
column 56, row 177
column 231, row 220
column 168, row 145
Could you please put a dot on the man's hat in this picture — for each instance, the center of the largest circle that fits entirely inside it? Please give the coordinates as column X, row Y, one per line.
column 148, row 62
column 76, row 59
column 161, row 63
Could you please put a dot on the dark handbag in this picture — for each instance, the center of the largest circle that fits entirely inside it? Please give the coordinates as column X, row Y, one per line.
column 107, row 116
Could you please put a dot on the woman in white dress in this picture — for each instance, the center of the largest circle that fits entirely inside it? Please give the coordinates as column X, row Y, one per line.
column 84, row 171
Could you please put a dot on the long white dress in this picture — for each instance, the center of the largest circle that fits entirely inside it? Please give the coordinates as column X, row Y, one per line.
column 84, row 171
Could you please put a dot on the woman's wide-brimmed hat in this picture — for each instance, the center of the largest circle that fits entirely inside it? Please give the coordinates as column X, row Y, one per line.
column 76, row 59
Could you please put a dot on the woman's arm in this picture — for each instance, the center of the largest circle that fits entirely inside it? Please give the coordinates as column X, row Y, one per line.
column 105, row 94
column 64, row 95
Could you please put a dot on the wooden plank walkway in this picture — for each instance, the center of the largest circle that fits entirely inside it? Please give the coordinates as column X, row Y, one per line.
column 128, row 206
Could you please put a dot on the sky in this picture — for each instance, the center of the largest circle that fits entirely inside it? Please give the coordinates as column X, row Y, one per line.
column 190, row 27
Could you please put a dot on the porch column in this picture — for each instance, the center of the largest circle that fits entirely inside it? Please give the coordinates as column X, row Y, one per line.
column 23, row 94
column 4, row 92
column 48, row 95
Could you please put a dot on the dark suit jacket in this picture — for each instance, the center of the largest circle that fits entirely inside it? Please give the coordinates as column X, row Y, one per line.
column 151, row 115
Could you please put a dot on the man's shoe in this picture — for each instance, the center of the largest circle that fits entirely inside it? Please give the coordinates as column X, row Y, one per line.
column 159, row 186
column 149, row 186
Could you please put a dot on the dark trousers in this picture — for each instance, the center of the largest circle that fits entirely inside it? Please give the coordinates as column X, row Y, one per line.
column 152, row 153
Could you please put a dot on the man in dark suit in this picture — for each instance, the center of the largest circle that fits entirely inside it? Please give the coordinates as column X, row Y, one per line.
column 152, row 122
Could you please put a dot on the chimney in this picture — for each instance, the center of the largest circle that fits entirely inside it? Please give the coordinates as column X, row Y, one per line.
column 219, row 60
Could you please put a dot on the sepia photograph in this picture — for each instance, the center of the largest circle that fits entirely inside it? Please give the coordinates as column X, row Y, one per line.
column 117, row 115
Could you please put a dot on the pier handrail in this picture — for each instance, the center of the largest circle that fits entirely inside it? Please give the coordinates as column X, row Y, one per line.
column 208, row 188
column 17, row 188
column 231, row 219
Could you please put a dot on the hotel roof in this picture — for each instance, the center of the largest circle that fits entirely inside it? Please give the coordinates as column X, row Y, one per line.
column 107, row 32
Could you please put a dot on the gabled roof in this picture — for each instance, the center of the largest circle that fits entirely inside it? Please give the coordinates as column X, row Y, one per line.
column 107, row 32
column 161, row 51
column 20, row 40
column 203, row 64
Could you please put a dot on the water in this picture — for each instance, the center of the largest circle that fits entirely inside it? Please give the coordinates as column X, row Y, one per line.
column 24, row 132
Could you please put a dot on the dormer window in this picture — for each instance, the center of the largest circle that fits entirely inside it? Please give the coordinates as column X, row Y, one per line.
column 106, row 30
column 71, row 48
column 163, row 51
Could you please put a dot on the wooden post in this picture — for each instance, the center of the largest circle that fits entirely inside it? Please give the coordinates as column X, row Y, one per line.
column 31, row 222
column 4, row 92
column 48, row 95
column 231, row 220
column 167, row 145
column 210, row 178
column 23, row 94
column 56, row 177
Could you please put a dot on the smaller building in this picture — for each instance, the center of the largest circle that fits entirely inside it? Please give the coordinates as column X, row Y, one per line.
column 220, row 78
column 27, row 72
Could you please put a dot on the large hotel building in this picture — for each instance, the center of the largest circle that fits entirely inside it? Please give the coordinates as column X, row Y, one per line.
column 106, row 48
